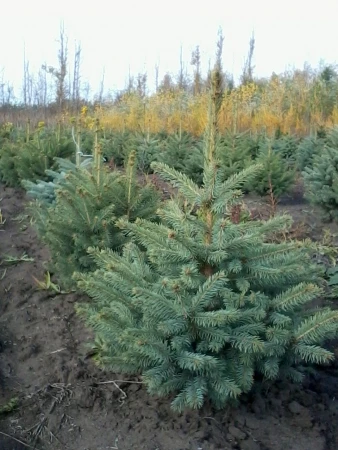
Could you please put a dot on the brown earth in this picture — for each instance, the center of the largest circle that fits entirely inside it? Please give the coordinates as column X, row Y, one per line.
column 64, row 402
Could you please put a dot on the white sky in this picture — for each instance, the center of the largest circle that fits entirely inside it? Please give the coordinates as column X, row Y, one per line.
column 139, row 33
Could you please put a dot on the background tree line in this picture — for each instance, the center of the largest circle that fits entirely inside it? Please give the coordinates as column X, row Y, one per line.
column 298, row 101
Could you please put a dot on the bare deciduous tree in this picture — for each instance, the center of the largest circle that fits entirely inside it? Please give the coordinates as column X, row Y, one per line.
column 219, row 51
column 247, row 74
column 41, row 90
column 86, row 91
column 60, row 73
column 101, row 90
column 141, row 84
column 196, row 62
column 76, row 84
column 157, row 71
column 182, row 78
column 25, row 77
column 130, row 83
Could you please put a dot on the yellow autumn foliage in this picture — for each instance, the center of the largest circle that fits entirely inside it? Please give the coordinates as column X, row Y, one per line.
column 295, row 103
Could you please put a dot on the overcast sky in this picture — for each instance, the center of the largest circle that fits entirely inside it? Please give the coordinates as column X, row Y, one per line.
column 139, row 33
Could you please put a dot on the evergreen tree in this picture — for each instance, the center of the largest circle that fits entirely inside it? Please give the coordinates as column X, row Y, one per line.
column 211, row 301
column 8, row 171
column 194, row 163
column 117, row 146
column 235, row 152
column 44, row 191
column 87, row 204
column 286, row 146
column 307, row 151
column 37, row 156
column 148, row 150
column 331, row 138
column 275, row 176
column 182, row 153
column 321, row 180
column 30, row 160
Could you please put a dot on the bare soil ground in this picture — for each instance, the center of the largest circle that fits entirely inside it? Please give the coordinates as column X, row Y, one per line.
column 64, row 401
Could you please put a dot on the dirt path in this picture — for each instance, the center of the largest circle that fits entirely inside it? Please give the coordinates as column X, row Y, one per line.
column 62, row 404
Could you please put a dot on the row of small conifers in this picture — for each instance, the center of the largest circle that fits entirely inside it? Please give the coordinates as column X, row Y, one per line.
column 189, row 293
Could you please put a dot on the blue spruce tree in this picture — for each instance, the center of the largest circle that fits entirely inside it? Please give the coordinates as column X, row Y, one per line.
column 201, row 303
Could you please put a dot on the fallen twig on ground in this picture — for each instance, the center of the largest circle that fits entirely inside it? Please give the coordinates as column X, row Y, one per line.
column 18, row 440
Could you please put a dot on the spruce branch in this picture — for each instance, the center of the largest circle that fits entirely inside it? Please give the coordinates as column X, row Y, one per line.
column 321, row 325
column 296, row 296
column 180, row 181
column 314, row 354
column 208, row 291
